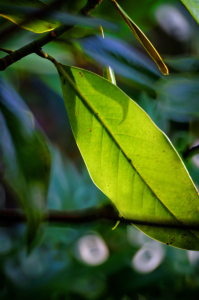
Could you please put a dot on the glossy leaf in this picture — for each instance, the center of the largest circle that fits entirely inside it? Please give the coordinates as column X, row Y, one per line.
column 16, row 12
column 193, row 8
column 142, row 39
column 130, row 159
column 24, row 156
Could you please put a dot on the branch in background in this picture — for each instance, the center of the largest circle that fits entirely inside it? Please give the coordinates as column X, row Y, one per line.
column 10, row 217
column 45, row 39
column 191, row 152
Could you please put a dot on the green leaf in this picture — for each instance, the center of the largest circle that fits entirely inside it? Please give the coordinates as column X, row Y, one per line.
column 16, row 12
column 25, row 157
column 193, row 8
column 130, row 159
column 142, row 39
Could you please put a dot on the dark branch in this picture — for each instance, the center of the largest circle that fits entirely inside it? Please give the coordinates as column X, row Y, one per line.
column 191, row 152
column 48, row 37
column 10, row 217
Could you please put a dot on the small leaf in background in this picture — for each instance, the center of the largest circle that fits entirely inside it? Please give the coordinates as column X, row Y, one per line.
column 16, row 12
column 108, row 72
column 25, row 157
column 193, row 8
column 130, row 159
column 142, row 39
column 126, row 61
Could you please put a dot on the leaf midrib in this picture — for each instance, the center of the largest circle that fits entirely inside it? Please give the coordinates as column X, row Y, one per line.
column 96, row 114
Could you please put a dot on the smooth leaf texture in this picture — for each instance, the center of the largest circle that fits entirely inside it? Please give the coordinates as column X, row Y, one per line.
column 24, row 156
column 15, row 11
column 130, row 159
column 193, row 8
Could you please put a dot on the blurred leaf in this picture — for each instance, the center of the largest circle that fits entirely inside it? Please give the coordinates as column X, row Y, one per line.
column 21, row 12
column 25, row 157
column 142, row 39
column 129, row 158
column 178, row 97
column 193, row 8
column 16, row 12
column 184, row 64
column 123, row 59
column 69, row 189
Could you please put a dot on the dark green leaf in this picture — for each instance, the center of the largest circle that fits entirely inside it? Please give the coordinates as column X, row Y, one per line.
column 25, row 157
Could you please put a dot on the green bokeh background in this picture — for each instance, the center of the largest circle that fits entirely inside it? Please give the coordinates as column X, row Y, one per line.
column 55, row 268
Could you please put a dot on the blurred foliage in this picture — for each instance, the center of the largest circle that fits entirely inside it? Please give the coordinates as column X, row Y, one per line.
column 131, row 266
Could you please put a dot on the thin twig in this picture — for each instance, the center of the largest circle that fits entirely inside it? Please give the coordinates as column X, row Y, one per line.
column 6, row 50
column 191, row 152
column 36, row 45
column 10, row 217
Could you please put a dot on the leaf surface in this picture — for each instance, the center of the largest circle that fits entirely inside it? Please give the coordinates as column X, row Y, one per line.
column 142, row 39
column 24, row 156
column 130, row 159
column 16, row 12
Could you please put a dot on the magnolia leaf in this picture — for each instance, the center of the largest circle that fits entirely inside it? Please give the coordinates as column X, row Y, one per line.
column 25, row 157
column 19, row 12
column 193, row 8
column 130, row 159
column 142, row 39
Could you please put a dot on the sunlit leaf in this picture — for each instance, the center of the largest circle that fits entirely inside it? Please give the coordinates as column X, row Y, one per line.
column 142, row 39
column 130, row 159
column 25, row 157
